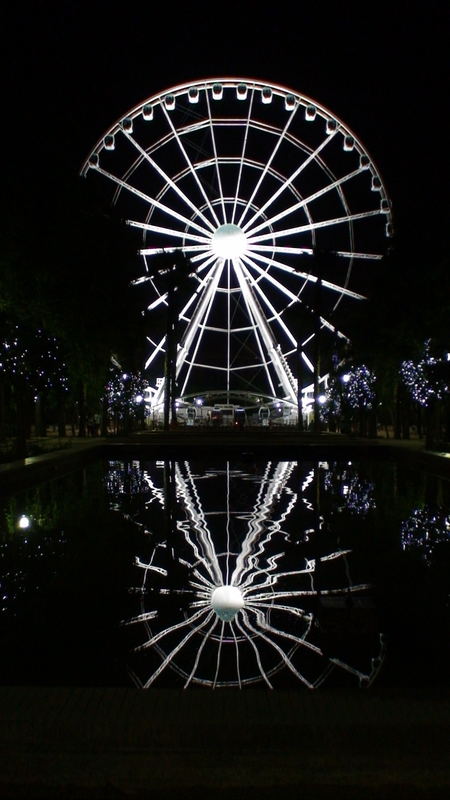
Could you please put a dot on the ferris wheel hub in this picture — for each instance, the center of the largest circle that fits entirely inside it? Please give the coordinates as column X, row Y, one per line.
column 229, row 241
column 226, row 602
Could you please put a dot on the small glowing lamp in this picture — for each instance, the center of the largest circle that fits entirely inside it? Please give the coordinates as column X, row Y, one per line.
column 322, row 399
column 346, row 378
column 24, row 522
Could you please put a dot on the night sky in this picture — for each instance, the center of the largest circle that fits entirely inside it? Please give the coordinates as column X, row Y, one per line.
column 72, row 68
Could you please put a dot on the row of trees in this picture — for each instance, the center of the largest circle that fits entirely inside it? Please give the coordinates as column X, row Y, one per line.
column 66, row 305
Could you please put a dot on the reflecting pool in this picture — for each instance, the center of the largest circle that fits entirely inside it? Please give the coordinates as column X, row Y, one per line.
column 220, row 573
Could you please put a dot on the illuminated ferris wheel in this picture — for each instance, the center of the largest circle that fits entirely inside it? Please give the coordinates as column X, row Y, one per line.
column 255, row 184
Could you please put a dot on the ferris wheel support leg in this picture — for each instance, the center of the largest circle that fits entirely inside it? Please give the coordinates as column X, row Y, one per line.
column 317, row 334
column 265, row 330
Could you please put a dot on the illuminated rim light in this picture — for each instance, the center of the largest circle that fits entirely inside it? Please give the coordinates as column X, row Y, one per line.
column 249, row 179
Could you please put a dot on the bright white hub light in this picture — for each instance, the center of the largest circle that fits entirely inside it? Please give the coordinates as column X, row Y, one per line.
column 226, row 601
column 229, row 241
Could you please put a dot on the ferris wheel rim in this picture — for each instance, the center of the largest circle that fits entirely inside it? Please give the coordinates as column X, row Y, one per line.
column 195, row 223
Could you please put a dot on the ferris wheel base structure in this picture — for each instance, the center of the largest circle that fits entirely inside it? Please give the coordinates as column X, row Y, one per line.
column 282, row 216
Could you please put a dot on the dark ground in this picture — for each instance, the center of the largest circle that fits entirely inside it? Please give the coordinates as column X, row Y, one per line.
column 108, row 743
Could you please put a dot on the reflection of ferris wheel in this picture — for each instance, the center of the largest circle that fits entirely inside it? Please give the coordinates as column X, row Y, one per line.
column 232, row 591
column 251, row 181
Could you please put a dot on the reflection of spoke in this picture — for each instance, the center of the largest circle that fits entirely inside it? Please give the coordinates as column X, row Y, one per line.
column 266, row 168
column 309, row 592
column 190, row 165
column 262, row 622
column 305, row 201
column 177, row 649
column 167, row 179
column 343, row 665
column 236, row 645
column 306, row 275
column 258, row 658
column 161, row 634
column 312, row 226
column 145, row 226
column 219, row 650
column 279, row 650
column 199, row 652
column 287, row 182
column 152, row 201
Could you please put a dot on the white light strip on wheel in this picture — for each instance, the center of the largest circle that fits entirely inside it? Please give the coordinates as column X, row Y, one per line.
column 168, row 180
column 266, row 168
column 288, row 181
column 314, row 226
column 289, row 294
column 305, row 201
column 304, row 275
column 145, row 226
column 242, row 158
column 265, row 331
column 191, row 166
column 151, row 201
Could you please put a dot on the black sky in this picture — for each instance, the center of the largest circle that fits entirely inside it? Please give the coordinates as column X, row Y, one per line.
column 72, row 68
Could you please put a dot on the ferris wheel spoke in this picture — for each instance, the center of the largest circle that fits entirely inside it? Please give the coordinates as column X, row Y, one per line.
column 312, row 226
column 191, row 167
column 156, row 251
column 157, row 349
column 304, row 275
column 305, row 201
column 276, row 248
column 152, row 201
column 242, row 158
column 293, row 297
column 278, row 144
column 216, row 160
column 145, row 226
column 264, row 329
column 288, row 181
column 197, row 327
column 168, row 180
column 269, row 305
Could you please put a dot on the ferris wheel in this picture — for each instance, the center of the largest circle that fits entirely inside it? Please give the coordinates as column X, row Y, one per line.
column 255, row 184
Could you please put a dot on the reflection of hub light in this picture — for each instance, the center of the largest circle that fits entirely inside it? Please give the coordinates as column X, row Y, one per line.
column 226, row 601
